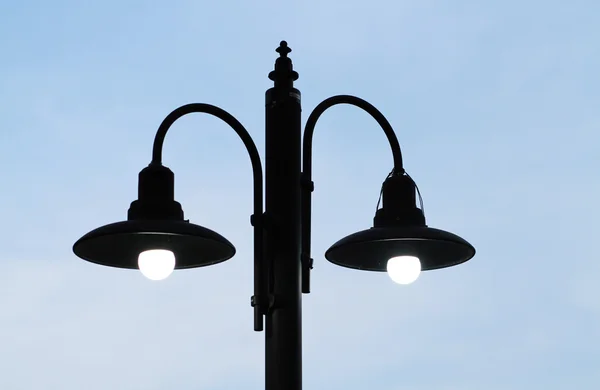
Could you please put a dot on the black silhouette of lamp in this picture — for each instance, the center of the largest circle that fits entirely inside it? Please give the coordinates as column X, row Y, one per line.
column 157, row 239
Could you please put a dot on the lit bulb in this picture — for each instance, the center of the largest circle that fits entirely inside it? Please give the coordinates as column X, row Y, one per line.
column 404, row 269
column 156, row 264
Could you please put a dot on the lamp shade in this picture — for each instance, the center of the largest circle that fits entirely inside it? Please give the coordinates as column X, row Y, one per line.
column 154, row 221
column 371, row 249
column 119, row 244
column 399, row 230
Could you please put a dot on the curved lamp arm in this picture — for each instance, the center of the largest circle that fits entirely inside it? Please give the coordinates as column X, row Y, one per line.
column 307, row 183
column 260, row 287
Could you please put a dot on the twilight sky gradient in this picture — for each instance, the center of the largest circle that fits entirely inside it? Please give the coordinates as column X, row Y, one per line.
column 496, row 108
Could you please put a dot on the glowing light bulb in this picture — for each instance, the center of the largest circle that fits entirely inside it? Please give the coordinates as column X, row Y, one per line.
column 404, row 269
column 156, row 264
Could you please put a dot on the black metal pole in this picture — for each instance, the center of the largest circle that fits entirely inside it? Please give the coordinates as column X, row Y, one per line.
column 283, row 336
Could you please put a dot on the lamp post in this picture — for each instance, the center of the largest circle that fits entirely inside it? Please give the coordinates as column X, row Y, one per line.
column 156, row 239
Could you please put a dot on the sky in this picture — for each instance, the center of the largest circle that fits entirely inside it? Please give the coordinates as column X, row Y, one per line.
column 495, row 105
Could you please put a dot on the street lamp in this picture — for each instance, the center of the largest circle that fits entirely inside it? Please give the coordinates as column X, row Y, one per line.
column 156, row 239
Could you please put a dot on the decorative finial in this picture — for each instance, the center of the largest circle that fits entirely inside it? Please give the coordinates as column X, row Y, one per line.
column 283, row 49
column 284, row 74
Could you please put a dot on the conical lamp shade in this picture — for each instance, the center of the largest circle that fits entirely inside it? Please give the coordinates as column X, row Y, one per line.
column 119, row 244
column 371, row 249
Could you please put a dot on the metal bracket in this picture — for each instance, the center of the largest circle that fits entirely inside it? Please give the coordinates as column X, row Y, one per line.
column 307, row 184
column 266, row 221
column 307, row 261
column 307, row 265
column 266, row 307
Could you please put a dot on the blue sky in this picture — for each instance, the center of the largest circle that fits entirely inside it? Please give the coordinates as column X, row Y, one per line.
column 496, row 108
